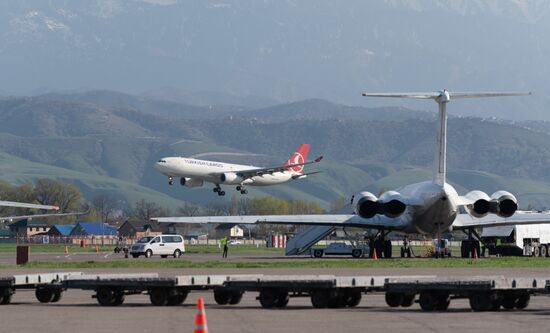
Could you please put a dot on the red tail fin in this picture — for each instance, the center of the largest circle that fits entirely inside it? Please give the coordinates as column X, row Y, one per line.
column 300, row 156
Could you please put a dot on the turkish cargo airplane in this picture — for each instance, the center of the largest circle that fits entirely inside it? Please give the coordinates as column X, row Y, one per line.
column 194, row 172
column 429, row 207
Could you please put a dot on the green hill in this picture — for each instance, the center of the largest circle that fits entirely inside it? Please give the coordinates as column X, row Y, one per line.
column 105, row 143
column 16, row 170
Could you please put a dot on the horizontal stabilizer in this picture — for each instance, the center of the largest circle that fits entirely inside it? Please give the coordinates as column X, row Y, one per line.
column 458, row 95
column 445, row 95
column 425, row 95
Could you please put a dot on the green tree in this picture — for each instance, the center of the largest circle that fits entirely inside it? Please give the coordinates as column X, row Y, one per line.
column 188, row 210
column 52, row 192
column 338, row 204
column 145, row 210
column 104, row 205
column 268, row 205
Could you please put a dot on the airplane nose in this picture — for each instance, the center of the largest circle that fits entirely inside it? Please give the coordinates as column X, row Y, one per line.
column 161, row 165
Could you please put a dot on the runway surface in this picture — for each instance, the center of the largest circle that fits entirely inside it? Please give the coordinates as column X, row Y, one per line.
column 77, row 311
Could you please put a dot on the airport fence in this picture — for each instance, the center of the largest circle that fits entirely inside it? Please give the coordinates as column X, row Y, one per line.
column 109, row 240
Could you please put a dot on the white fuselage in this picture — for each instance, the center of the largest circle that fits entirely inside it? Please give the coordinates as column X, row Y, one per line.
column 210, row 171
column 431, row 207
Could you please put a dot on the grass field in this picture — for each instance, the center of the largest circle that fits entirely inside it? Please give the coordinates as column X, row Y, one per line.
column 55, row 248
column 503, row 262
column 419, row 251
column 60, row 248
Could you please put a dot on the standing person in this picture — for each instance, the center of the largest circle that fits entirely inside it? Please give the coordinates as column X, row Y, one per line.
column 223, row 242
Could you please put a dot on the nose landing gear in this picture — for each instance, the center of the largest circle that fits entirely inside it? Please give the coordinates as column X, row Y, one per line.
column 170, row 180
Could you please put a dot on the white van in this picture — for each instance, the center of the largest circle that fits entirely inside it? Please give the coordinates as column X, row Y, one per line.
column 163, row 245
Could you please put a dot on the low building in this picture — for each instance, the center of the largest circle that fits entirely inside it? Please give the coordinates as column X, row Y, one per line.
column 93, row 229
column 138, row 229
column 195, row 235
column 61, row 230
column 29, row 227
column 229, row 231
column 188, row 231
column 5, row 234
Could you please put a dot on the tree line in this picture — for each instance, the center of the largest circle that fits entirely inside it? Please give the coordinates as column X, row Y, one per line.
column 107, row 208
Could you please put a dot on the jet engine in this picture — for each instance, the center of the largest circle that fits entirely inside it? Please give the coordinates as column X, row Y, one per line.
column 507, row 204
column 501, row 203
column 229, row 178
column 481, row 205
column 390, row 204
column 366, row 205
column 191, row 182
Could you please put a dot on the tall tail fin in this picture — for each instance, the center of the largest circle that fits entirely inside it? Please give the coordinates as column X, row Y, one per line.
column 443, row 97
column 300, row 156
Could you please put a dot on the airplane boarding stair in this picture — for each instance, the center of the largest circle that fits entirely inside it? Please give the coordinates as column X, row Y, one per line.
column 303, row 241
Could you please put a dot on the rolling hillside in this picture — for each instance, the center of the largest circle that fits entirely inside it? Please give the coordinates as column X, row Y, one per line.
column 103, row 143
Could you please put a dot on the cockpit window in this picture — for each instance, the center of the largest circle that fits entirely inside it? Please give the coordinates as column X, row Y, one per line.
column 162, row 161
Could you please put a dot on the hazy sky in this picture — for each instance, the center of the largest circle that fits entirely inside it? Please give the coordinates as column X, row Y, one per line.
column 287, row 50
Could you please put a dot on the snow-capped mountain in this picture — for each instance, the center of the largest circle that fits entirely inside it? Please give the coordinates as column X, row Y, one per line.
column 286, row 50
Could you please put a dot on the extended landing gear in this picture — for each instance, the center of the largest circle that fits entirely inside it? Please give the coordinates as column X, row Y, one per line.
column 470, row 248
column 170, row 180
column 241, row 189
column 218, row 190
column 382, row 246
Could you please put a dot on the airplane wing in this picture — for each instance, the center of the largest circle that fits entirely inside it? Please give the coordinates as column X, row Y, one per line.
column 22, row 217
column 26, row 205
column 464, row 221
column 305, row 174
column 377, row 222
column 248, row 173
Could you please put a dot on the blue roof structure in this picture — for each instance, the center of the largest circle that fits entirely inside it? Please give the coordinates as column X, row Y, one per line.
column 93, row 228
column 62, row 229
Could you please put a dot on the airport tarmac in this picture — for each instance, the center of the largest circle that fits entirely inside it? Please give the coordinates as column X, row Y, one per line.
column 9, row 258
column 78, row 312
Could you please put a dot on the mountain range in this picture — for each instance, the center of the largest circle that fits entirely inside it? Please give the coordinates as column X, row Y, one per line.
column 258, row 54
column 108, row 142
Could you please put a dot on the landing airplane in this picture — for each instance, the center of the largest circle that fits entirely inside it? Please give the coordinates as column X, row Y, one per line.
column 194, row 172
column 424, row 208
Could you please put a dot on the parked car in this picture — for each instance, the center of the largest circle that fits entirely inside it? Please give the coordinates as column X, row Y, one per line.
column 340, row 249
column 235, row 242
column 163, row 245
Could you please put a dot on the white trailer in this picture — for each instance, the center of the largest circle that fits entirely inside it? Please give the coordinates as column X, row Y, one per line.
column 527, row 240
column 433, row 293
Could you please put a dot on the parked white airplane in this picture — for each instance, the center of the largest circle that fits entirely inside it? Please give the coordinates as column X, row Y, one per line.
column 427, row 208
column 29, row 205
column 194, row 172
column 26, row 205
